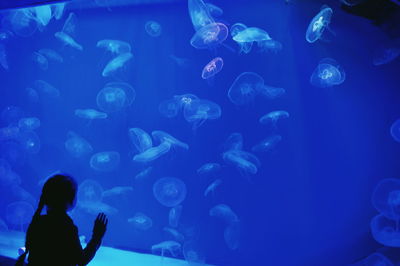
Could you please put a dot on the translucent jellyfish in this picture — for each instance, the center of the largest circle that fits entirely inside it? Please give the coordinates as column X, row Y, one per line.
column 395, row 130
column 232, row 235
column 40, row 60
column 9, row 133
column 29, row 123
column 245, row 162
column 318, row 24
column 22, row 22
column 70, row 24
column 116, row 64
column 19, row 213
column 209, row 36
column 180, row 61
column 140, row 139
column 174, row 216
column 163, row 136
column 209, row 169
column 224, row 212
column 199, row 14
column 46, row 89
column 89, row 191
column 327, row 74
column 251, row 34
column 245, row 87
column 77, row 146
column 185, row 99
column 68, row 40
column 386, row 198
column 171, row 232
column 115, row 96
column 169, row 108
column 173, row 247
column 169, row 191
column 267, row 144
column 193, row 254
column 273, row 117
column 200, row 111
column 3, row 57
column 245, row 47
column 58, row 10
column 212, row 68
column 144, row 173
column 153, row 28
column 270, row 46
column 90, row 114
column 30, row 142
column 51, row 55
column 214, row 10
column 385, row 54
column 152, row 153
column 12, row 114
column 117, row 191
column 375, row 259
column 95, row 207
column 353, row 3
column 115, row 46
column 385, row 231
column 43, row 14
column 141, row 221
column 234, row 142
column 271, row 92
column 105, row 161
column 212, row 187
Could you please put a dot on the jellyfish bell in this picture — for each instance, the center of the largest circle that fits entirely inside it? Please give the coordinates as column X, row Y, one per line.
column 328, row 73
column 270, row 46
column 153, row 28
column 174, row 215
column 40, row 60
column 386, row 198
column 214, row 10
column 105, row 161
column 245, row 162
column 245, row 47
column 273, row 117
column 141, row 221
column 224, row 212
column 115, row 96
column 164, row 137
column 90, row 114
column 234, row 142
column 251, row 34
column 114, row 46
column 140, row 139
column 89, row 191
column 169, row 108
column 21, row 22
column 318, row 24
column 30, row 142
column 212, row 68
column 395, row 130
column 116, row 64
column 267, row 144
column 152, row 153
column 209, row 169
column 209, row 36
column 29, row 123
column 200, row 111
column 199, row 14
column 169, row 191
column 385, row 231
column 185, row 99
column 245, row 87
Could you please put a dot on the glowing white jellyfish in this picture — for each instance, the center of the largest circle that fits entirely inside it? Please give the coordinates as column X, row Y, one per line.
column 51, row 55
column 40, row 60
column 212, row 68
column 251, row 34
column 212, row 187
column 141, row 221
column 140, row 139
column 152, row 153
column 234, row 142
column 199, row 14
column 172, row 247
column 164, row 137
column 385, row 231
column 174, row 216
column 318, row 24
column 116, row 64
column 245, row 47
column 115, row 96
column 375, row 259
column 199, row 111
column 77, row 146
column 68, row 40
column 89, row 191
column 171, row 232
column 46, row 89
column 169, row 191
column 245, row 88
column 144, row 173
column 209, row 36
column 105, row 161
column 245, row 162
column 193, row 253
column 117, row 191
column 29, row 141
column 328, row 73
column 29, row 123
column 267, row 144
column 386, row 54
column 209, row 169
column 395, row 130
column 224, row 212
column 90, row 114
column 114, row 46
column 153, row 28
column 169, row 108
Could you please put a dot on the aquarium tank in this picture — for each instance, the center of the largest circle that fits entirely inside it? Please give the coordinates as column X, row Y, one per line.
column 209, row 132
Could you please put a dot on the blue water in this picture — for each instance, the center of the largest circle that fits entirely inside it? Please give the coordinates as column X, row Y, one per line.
column 308, row 204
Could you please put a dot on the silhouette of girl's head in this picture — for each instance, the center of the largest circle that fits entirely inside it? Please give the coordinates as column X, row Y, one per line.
column 59, row 192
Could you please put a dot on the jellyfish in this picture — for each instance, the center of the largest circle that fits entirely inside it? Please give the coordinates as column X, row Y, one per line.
column 19, row 213
column 77, row 146
column 29, row 123
column 174, row 216
column 31, row 95
column 245, row 87
column 199, row 14
column 40, row 60
column 95, row 207
column 42, row 14
column 140, row 139
column 112, row 99
column 270, row 46
column 318, row 24
column 22, row 22
column 185, row 99
column 385, row 231
column 68, row 40
column 251, row 34
column 209, row 36
column 115, row 64
column 169, row 191
column 212, row 68
column 141, row 221
column 375, row 259
column 70, row 24
column 232, row 235
column 3, row 57
column 386, row 198
column 225, row 213
column 90, row 191
column 117, row 191
column 271, row 92
column 245, row 162
column 46, row 89
column 115, row 46
column 209, row 169
column 153, row 28
column 105, row 161
column 172, row 247
column 90, row 114
column 152, row 153
column 144, row 173
column 327, row 74
column 201, row 110
column 395, row 130
column 212, row 187
column 30, row 142
column 193, row 254
column 273, row 117
column 245, row 47
column 163, row 136
column 169, row 108
column 58, row 10
column 385, row 54
column 234, row 142
column 214, row 10
column 9, row 133
column 353, row 3
column 267, row 144
column 51, row 55
column 11, row 114
column 174, row 233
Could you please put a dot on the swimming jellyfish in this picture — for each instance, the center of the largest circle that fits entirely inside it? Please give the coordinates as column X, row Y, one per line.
column 172, row 247
column 386, row 198
column 174, row 234
column 29, row 141
column 115, row 96
column 270, row 46
column 152, row 153
column 95, row 207
column 164, row 137
column 245, row 162
column 245, row 47
column 40, row 60
column 245, row 87
column 144, row 173
column 199, row 13
column 232, row 235
column 327, row 74
column 90, row 114
column 385, row 54
column 174, row 215
column 68, row 40
column 209, row 36
column 169, row 191
column 385, row 231
column 267, row 144
column 251, row 34
column 395, row 130
column 105, row 161
column 212, row 187
column 77, row 146
column 114, row 46
column 141, row 221
column 224, row 212
column 29, row 123
column 22, row 22
column 19, row 213
column 200, row 111
column 116, row 64
column 318, row 24
column 212, row 68
column 234, row 142
column 273, row 117
column 169, row 108
column 117, row 191
column 46, row 89
column 214, row 10
column 153, row 28
column 89, row 191
column 51, row 55
column 209, row 169
column 140, row 139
